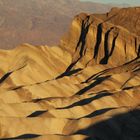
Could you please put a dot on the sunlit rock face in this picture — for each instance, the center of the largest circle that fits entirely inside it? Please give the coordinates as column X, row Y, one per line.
column 86, row 88
column 102, row 38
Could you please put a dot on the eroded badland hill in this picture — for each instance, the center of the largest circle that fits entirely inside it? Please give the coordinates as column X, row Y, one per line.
column 86, row 88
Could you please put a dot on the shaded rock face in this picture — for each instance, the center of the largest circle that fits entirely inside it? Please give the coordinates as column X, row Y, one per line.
column 87, row 88
column 95, row 39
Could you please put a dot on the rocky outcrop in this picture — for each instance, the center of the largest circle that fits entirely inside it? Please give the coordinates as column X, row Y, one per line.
column 93, row 39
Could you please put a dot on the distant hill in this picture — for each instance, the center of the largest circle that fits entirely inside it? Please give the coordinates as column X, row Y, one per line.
column 39, row 21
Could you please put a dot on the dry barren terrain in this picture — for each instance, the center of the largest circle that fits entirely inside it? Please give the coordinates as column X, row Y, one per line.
column 87, row 88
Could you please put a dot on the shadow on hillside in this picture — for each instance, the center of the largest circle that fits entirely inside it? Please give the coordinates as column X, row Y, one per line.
column 36, row 113
column 125, row 126
column 82, row 40
column 69, row 72
column 108, row 54
column 97, row 81
column 26, row 136
column 5, row 77
column 88, row 100
column 98, row 40
column 98, row 112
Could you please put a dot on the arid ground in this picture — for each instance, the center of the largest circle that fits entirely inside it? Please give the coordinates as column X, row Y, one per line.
column 85, row 88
